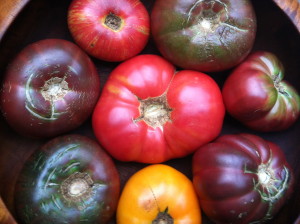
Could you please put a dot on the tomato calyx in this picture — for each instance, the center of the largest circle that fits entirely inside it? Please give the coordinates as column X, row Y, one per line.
column 277, row 84
column 55, row 89
column 154, row 111
column 113, row 21
column 163, row 218
column 77, row 187
column 212, row 14
column 273, row 188
column 269, row 186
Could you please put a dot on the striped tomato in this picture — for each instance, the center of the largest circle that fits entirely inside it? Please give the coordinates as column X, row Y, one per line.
column 110, row 30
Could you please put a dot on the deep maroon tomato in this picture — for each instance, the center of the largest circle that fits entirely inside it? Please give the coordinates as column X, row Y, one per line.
column 241, row 179
column 50, row 87
column 110, row 30
column 70, row 179
column 209, row 35
column 150, row 113
column 256, row 94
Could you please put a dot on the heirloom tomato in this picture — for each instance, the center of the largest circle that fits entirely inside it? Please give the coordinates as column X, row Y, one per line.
column 110, row 30
column 208, row 35
column 51, row 87
column 241, row 179
column 256, row 94
column 158, row 194
column 70, row 179
column 150, row 113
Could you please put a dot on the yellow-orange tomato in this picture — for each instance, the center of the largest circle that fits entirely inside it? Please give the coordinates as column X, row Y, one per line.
column 158, row 194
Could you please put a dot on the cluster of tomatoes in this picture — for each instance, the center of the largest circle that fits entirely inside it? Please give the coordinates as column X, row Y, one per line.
column 152, row 108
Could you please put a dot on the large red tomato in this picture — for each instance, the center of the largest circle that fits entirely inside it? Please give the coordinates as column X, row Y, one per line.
column 150, row 113
column 51, row 87
column 110, row 30
column 209, row 35
column 256, row 94
column 241, row 179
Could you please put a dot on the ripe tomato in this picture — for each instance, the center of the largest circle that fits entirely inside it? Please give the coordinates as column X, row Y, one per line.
column 150, row 113
column 70, row 179
column 110, row 30
column 256, row 94
column 158, row 194
column 241, row 179
column 51, row 87
column 210, row 35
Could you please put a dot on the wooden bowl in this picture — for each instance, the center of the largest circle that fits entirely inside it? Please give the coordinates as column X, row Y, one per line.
column 23, row 22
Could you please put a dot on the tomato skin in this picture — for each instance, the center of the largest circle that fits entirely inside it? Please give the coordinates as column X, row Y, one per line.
column 152, row 190
column 256, row 94
column 86, row 21
column 45, row 63
column 207, row 36
column 39, row 197
column 196, row 114
column 241, row 179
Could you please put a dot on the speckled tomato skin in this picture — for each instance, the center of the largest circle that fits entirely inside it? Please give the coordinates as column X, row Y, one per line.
column 226, row 180
column 38, row 197
column 21, row 99
column 257, row 94
column 177, row 29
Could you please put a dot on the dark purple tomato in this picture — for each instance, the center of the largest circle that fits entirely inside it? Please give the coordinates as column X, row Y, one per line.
column 51, row 87
column 70, row 179
column 208, row 35
column 241, row 179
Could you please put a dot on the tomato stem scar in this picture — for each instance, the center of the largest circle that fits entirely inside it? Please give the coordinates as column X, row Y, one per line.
column 163, row 218
column 154, row 111
column 113, row 21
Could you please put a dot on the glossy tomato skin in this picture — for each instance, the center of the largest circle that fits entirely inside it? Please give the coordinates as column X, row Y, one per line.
column 256, row 94
column 241, row 179
column 51, row 87
column 158, row 188
column 193, row 117
column 207, row 36
column 42, row 193
column 93, row 27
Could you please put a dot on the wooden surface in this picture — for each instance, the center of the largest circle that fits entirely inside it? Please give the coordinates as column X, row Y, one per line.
column 42, row 19
column 292, row 9
column 5, row 216
column 9, row 9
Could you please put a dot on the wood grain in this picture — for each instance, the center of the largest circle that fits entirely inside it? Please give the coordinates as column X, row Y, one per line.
column 37, row 22
column 5, row 217
column 9, row 9
column 292, row 9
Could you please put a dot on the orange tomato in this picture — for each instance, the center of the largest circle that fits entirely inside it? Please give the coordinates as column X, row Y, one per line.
column 158, row 194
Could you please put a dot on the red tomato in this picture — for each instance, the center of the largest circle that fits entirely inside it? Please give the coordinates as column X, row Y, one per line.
column 51, row 87
column 110, row 30
column 256, row 94
column 150, row 113
column 207, row 35
column 241, row 179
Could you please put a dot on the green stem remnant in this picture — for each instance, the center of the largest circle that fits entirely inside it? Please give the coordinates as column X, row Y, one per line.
column 163, row 218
